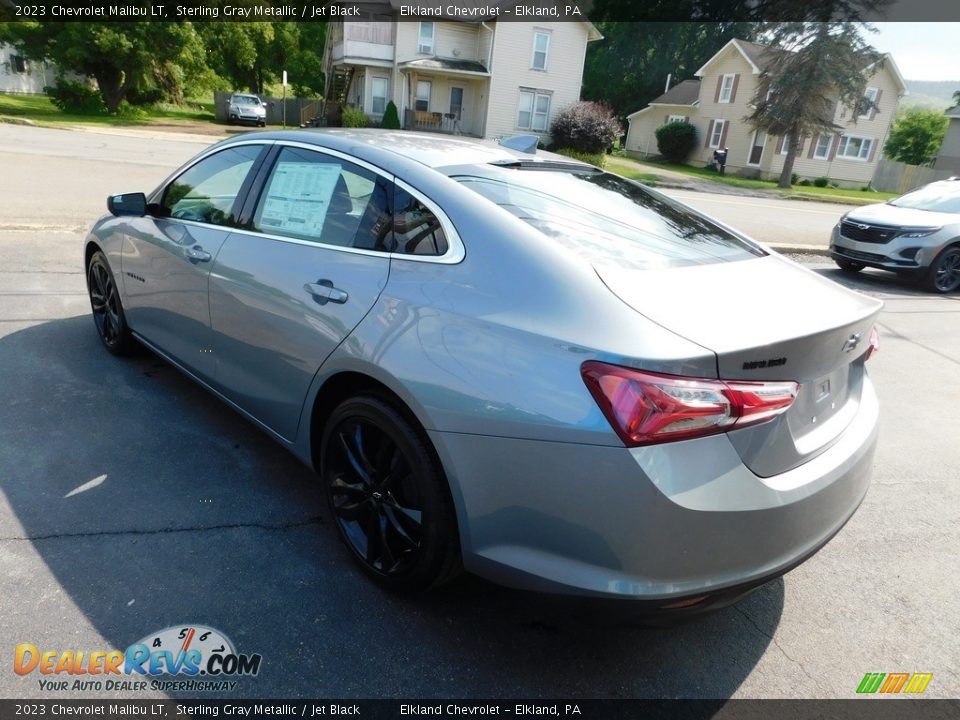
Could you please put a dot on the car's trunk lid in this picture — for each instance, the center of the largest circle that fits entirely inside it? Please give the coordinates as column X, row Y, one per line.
column 766, row 319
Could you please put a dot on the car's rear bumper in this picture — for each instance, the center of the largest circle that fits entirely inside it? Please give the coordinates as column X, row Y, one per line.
column 655, row 524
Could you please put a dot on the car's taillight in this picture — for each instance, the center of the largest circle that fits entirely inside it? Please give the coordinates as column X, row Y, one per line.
column 874, row 345
column 646, row 408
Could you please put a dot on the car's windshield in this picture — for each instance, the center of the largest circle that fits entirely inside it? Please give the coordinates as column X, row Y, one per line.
column 610, row 220
column 938, row 197
column 245, row 100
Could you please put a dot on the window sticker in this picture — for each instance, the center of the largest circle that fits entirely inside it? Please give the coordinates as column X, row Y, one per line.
column 298, row 197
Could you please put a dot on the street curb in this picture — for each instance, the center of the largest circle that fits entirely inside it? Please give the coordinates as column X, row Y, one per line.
column 11, row 120
column 787, row 248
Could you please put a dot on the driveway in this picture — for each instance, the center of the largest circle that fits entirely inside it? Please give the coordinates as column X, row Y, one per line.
column 131, row 500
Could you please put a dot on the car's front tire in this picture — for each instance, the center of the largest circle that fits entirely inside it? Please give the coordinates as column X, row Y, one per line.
column 108, row 315
column 849, row 265
column 388, row 495
column 943, row 275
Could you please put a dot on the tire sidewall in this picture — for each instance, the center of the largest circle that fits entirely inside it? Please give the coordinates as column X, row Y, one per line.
column 123, row 332
column 438, row 525
column 931, row 278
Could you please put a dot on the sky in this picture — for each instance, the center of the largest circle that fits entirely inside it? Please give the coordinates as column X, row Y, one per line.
column 922, row 51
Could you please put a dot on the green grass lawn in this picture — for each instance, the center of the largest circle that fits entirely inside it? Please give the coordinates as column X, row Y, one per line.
column 627, row 168
column 40, row 110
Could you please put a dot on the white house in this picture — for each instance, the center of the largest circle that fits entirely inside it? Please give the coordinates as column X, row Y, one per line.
column 19, row 75
column 719, row 98
column 480, row 78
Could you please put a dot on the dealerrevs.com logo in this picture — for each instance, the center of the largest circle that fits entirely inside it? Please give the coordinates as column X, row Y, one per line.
column 199, row 657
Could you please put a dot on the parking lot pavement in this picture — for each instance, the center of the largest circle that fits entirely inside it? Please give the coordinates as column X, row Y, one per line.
column 131, row 500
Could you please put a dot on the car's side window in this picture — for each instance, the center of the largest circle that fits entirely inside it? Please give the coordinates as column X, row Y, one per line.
column 324, row 199
column 417, row 230
column 208, row 190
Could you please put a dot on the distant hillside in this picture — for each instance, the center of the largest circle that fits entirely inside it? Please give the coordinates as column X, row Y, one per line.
column 936, row 94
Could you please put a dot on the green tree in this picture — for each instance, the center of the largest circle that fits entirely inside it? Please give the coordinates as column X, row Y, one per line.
column 126, row 59
column 916, row 136
column 241, row 53
column 820, row 64
column 391, row 118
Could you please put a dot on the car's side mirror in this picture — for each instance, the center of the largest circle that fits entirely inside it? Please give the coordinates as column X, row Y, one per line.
column 127, row 204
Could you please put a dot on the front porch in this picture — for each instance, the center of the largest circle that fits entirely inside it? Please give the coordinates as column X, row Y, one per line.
column 425, row 121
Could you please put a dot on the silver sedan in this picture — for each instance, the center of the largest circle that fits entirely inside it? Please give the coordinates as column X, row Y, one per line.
column 509, row 363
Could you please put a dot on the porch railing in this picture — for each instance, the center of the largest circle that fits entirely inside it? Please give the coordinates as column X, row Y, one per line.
column 431, row 122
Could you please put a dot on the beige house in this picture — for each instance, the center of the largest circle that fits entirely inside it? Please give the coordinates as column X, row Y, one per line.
column 949, row 156
column 719, row 100
column 485, row 79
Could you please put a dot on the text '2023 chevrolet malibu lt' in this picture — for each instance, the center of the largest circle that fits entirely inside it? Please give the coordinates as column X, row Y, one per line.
column 509, row 363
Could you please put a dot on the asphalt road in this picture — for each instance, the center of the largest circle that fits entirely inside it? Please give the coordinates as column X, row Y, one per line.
column 770, row 220
column 130, row 501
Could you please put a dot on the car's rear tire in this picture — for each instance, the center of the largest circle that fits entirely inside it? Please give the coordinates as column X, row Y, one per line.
column 232, row 120
column 388, row 495
column 108, row 315
column 849, row 265
column 943, row 276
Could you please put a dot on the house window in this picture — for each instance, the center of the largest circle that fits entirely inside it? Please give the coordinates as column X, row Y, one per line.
column 422, row 101
column 18, row 64
column 823, row 147
column 361, row 97
column 378, row 89
column 425, row 39
column 871, row 95
column 541, row 48
column 854, row 148
column 533, row 112
column 676, row 118
column 726, row 88
column 717, row 135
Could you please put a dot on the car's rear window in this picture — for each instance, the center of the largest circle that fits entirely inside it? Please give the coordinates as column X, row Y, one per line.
column 610, row 220
column 938, row 197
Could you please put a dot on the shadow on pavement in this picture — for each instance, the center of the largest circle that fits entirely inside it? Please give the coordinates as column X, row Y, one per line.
column 191, row 515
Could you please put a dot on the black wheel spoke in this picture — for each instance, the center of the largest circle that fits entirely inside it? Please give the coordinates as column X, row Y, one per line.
column 339, row 486
column 353, row 458
column 355, row 511
column 374, row 535
column 403, row 526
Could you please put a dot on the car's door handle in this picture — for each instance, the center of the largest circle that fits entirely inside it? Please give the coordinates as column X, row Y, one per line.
column 197, row 253
column 323, row 290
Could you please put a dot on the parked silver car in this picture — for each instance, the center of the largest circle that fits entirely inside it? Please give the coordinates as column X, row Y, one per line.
column 243, row 108
column 917, row 234
column 512, row 363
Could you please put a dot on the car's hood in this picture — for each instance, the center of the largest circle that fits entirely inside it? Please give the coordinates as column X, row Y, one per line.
column 885, row 214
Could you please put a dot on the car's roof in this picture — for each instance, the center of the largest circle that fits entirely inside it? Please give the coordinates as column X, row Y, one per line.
column 430, row 149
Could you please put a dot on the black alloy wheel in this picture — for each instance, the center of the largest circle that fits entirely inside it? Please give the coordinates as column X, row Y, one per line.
column 944, row 273
column 388, row 495
column 107, row 309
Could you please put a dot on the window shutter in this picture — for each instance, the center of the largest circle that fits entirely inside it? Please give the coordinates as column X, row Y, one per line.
column 780, row 144
column 733, row 90
column 813, row 146
column 873, row 146
column 723, row 135
column 666, row 118
column 706, row 142
column 873, row 112
column 833, row 147
column 716, row 95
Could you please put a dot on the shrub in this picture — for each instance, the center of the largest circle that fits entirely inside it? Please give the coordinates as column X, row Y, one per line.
column 132, row 113
column 353, row 118
column 794, row 178
column 821, row 181
column 676, row 140
column 586, row 127
column 75, row 97
column 805, row 182
column 599, row 159
column 391, row 118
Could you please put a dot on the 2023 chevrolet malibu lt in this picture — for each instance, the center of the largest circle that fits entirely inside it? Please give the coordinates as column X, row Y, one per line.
column 511, row 363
